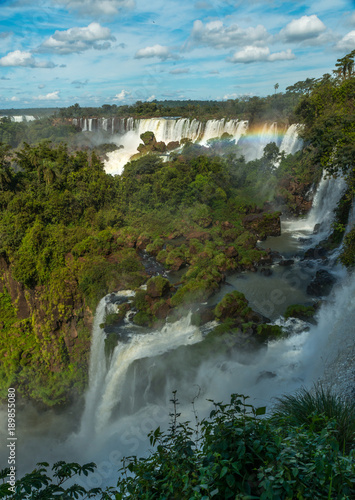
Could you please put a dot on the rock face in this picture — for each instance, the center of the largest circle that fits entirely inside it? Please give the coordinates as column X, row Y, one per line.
column 296, row 195
column 54, row 320
column 321, row 284
column 263, row 225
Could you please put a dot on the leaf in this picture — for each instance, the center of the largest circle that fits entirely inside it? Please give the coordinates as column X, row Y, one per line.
column 230, row 481
column 260, row 411
column 223, row 472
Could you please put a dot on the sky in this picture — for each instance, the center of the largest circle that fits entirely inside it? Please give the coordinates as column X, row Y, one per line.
column 55, row 53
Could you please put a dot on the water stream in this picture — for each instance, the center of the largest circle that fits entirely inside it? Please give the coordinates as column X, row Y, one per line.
column 129, row 393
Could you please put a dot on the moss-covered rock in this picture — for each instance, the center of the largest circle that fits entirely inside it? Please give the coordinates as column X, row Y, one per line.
column 157, row 286
column 142, row 318
column 233, row 305
column 263, row 225
column 195, row 290
column 267, row 332
column 299, row 311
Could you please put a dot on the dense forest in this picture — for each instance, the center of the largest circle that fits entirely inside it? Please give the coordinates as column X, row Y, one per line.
column 70, row 234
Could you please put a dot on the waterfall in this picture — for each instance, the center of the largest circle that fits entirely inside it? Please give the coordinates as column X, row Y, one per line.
column 126, row 132
column 291, row 141
column 328, row 194
column 106, row 384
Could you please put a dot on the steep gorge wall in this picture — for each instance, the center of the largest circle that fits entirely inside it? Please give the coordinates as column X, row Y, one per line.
column 45, row 332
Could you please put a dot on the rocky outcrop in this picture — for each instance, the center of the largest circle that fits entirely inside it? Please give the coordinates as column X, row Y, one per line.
column 296, row 195
column 263, row 225
column 322, row 284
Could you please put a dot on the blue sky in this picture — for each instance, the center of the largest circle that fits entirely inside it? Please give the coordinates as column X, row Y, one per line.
column 93, row 52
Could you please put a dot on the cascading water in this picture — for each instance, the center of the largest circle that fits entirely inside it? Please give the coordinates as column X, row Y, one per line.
column 106, row 383
column 291, row 142
column 320, row 218
column 252, row 142
column 145, row 367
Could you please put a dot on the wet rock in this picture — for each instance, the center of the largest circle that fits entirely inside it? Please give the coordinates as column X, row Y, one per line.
column 321, row 284
column 316, row 228
column 286, row 262
column 116, row 299
column 315, row 253
column 266, row 271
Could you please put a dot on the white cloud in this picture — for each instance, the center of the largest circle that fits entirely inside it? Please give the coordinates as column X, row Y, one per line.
column 122, row 95
column 304, row 28
column 347, row 42
column 215, row 34
column 14, row 98
column 52, row 96
column 179, row 71
column 251, row 54
column 159, row 51
column 93, row 36
column 97, row 8
column 25, row 59
column 230, row 96
column 151, row 98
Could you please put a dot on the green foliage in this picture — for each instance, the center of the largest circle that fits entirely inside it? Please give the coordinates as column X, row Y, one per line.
column 347, row 256
column 267, row 332
column 232, row 305
column 327, row 112
column 312, row 408
column 299, row 311
column 234, row 453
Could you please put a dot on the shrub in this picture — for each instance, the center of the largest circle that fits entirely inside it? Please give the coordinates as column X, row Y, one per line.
column 302, row 407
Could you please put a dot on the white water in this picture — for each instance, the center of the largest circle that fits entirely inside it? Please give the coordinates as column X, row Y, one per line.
column 176, row 129
column 328, row 194
column 291, row 142
column 110, row 428
column 19, row 118
column 107, row 385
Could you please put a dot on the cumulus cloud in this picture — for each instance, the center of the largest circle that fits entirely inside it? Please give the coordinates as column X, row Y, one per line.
column 52, row 96
column 179, row 71
column 304, row 28
column 25, row 59
column 159, row 51
column 151, row 98
column 93, row 36
column 230, row 96
column 215, row 34
column 251, row 54
column 122, row 95
column 347, row 42
column 103, row 8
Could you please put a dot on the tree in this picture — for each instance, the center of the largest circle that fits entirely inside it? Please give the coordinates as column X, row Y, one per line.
column 276, row 86
column 345, row 66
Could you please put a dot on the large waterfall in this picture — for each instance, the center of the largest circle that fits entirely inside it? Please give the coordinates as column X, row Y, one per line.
column 125, row 132
column 129, row 391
